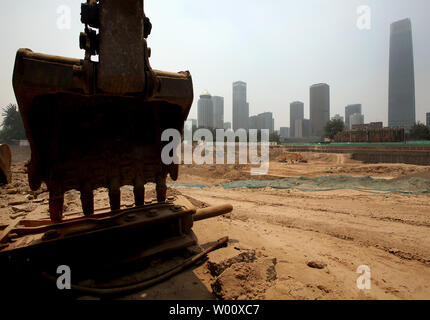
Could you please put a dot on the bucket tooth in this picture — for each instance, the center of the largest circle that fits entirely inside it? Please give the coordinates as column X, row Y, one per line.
column 115, row 195
column 56, row 204
column 115, row 199
column 161, row 188
column 174, row 172
column 139, row 192
column 87, row 200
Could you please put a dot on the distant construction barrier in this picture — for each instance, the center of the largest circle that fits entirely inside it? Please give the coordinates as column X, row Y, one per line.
column 418, row 154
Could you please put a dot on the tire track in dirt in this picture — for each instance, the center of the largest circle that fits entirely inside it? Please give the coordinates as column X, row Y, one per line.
column 364, row 230
column 327, row 210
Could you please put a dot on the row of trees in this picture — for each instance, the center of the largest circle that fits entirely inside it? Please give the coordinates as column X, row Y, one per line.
column 419, row 131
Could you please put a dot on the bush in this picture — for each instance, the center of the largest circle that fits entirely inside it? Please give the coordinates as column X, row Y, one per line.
column 419, row 131
column 333, row 127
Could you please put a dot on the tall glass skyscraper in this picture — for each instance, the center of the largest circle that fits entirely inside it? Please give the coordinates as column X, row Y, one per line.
column 401, row 100
column 319, row 108
column 205, row 111
column 240, row 106
column 297, row 112
column 218, row 103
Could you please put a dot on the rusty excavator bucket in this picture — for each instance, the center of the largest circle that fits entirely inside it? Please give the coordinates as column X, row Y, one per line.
column 99, row 124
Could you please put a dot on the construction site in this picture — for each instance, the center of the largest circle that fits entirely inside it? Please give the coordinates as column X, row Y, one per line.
column 90, row 209
column 300, row 232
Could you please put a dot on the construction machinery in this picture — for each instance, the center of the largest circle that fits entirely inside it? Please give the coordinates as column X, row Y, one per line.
column 292, row 157
column 97, row 123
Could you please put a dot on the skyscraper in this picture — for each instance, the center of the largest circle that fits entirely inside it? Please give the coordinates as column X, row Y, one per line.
column 284, row 132
column 319, row 108
column 401, row 96
column 302, row 127
column 349, row 111
column 240, row 106
column 266, row 121
column 428, row 119
column 253, row 122
column 218, row 103
column 297, row 112
column 262, row 121
column 356, row 119
column 205, row 110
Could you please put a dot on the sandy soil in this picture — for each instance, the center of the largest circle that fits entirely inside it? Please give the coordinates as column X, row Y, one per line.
column 285, row 244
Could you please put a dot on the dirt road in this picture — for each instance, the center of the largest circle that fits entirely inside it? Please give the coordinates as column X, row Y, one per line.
column 389, row 234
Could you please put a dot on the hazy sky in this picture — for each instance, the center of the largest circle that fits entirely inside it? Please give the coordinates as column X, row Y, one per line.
column 279, row 47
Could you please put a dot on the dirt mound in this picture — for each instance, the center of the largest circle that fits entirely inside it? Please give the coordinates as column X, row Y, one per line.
column 394, row 170
column 416, row 172
column 244, row 276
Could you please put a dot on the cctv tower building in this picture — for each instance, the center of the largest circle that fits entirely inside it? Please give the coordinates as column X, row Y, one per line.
column 401, row 100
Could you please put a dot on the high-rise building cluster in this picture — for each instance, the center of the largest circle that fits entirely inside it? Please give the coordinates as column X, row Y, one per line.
column 401, row 102
column 210, row 112
column 319, row 113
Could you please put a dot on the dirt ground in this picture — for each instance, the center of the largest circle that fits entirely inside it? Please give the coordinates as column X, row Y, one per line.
column 285, row 244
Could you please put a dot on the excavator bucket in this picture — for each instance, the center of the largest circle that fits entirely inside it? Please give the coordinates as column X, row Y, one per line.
column 95, row 123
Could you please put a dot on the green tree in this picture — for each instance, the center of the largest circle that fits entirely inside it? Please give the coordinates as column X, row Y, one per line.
column 12, row 125
column 275, row 137
column 419, row 131
column 333, row 127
